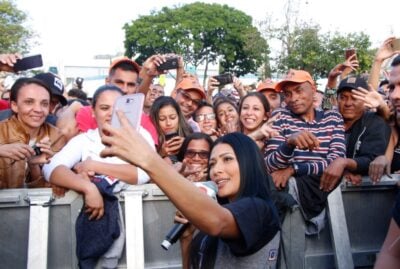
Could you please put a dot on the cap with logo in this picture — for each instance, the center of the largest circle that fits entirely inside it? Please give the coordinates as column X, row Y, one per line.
column 351, row 83
column 295, row 76
column 55, row 84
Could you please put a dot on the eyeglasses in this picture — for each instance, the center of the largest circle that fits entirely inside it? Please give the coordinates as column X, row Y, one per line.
column 189, row 98
column 202, row 117
column 202, row 154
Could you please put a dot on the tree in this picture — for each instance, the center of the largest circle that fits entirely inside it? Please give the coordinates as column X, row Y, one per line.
column 14, row 36
column 202, row 34
column 303, row 46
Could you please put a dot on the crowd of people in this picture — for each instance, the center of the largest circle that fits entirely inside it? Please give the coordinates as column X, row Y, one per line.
column 278, row 150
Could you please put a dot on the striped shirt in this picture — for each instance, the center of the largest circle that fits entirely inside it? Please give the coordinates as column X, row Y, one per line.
column 327, row 127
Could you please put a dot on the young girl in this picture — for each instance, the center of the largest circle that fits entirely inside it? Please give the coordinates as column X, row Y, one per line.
column 171, row 126
column 239, row 231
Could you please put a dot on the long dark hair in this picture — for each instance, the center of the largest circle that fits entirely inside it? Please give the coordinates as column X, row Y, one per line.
column 254, row 182
column 183, row 127
column 254, row 179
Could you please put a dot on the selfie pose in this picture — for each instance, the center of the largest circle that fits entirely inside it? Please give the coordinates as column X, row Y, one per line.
column 82, row 154
column 241, row 230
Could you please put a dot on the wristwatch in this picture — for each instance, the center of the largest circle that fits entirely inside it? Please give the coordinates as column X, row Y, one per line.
column 296, row 168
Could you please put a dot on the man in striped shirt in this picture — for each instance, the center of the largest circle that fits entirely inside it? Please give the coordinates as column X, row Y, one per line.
column 308, row 141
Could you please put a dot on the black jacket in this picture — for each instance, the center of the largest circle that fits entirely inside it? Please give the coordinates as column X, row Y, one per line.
column 366, row 139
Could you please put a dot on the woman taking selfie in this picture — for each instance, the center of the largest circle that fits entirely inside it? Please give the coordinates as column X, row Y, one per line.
column 241, row 230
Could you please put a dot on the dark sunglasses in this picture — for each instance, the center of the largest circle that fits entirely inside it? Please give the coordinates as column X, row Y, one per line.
column 202, row 154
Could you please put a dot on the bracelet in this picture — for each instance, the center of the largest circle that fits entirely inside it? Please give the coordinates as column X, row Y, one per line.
column 330, row 91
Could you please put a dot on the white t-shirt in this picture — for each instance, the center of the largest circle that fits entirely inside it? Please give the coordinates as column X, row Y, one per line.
column 88, row 144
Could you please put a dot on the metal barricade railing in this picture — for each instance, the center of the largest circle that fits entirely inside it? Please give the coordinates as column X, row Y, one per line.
column 35, row 235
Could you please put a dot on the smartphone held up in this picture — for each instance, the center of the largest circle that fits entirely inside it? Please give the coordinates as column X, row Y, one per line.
column 350, row 52
column 131, row 105
column 29, row 62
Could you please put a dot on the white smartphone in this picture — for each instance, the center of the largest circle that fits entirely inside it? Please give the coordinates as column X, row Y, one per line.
column 132, row 106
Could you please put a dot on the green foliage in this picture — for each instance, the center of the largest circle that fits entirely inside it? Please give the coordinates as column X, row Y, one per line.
column 14, row 35
column 318, row 53
column 201, row 33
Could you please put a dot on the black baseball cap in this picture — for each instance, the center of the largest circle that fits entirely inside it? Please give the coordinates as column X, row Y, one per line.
column 55, row 84
column 351, row 83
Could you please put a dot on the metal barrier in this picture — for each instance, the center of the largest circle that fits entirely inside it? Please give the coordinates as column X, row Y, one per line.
column 367, row 211
column 24, row 228
column 35, row 235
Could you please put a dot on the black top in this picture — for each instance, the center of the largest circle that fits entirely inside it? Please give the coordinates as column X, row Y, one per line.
column 258, row 223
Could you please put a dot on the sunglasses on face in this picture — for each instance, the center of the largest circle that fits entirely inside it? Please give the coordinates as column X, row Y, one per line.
column 202, row 117
column 202, row 154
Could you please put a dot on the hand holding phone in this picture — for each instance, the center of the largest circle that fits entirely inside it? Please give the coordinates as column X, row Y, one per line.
column 131, row 105
column 224, row 79
column 350, row 52
column 169, row 136
column 171, row 62
column 29, row 62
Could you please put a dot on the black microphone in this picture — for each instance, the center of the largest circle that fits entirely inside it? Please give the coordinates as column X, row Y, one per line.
column 210, row 188
column 177, row 230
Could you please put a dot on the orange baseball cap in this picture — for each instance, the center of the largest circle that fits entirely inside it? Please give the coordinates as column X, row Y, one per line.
column 266, row 85
column 118, row 61
column 190, row 83
column 295, row 76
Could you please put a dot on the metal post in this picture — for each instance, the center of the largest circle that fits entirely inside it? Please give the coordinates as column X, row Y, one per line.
column 38, row 228
column 134, row 229
column 339, row 232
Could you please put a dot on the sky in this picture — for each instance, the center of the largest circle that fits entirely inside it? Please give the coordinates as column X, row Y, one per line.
column 71, row 31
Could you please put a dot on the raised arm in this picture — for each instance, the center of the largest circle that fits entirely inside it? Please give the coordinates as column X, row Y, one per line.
column 197, row 207
column 384, row 52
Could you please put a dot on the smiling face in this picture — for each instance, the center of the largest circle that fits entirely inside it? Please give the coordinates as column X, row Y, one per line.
column 205, row 117
column 31, row 106
column 226, row 113
column 252, row 114
column 224, row 171
column 188, row 101
column 104, row 107
column 168, row 119
column 197, row 152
